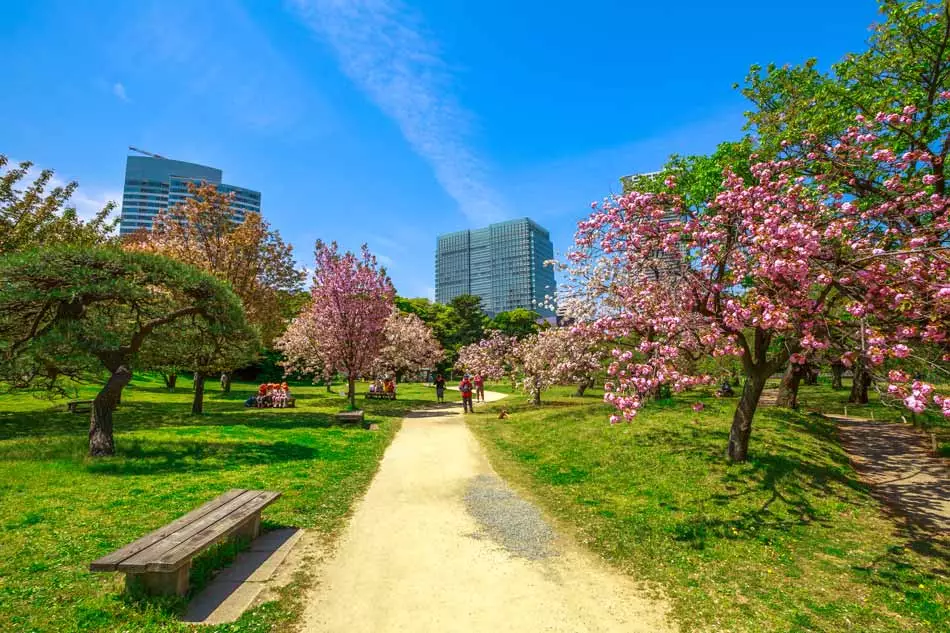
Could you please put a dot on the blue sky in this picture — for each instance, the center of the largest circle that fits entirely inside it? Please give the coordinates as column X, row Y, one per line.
column 389, row 122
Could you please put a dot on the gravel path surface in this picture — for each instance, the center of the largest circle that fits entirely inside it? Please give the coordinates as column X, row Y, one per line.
column 509, row 520
column 440, row 543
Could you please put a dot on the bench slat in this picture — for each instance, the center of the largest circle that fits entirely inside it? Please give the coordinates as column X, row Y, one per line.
column 110, row 562
column 185, row 551
column 146, row 560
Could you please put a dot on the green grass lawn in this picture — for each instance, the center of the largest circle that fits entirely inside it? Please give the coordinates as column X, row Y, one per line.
column 789, row 541
column 59, row 509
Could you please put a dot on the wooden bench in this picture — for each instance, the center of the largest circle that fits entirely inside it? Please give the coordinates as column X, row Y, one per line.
column 380, row 395
column 79, row 406
column 351, row 417
column 290, row 403
column 159, row 562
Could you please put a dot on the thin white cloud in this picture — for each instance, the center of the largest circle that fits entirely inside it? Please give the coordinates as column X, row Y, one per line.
column 119, row 91
column 88, row 200
column 383, row 50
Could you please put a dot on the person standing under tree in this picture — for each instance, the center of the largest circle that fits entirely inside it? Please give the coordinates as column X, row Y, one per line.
column 465, row 388
column 440, row 388
column 479, row 387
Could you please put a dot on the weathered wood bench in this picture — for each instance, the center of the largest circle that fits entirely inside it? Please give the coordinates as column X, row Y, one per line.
column 380, row 395
column 159, row 562
column 79, row 406
column 351, row 417
column 289, row 403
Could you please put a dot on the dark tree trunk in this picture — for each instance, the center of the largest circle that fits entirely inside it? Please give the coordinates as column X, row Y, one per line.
column 170, row 380
column 741, row 429
column 788, row 389
column 584, row 385
column 198, row 404
column 536, row 396
column 101, row 441
column 811, row 375
column 860, row 384
column 226, row 382
column 329, row 385
column 837, row 369
column 351, row 391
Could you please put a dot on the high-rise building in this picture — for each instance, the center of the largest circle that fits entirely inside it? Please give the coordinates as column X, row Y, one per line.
column 154, row 183
column 502, row 263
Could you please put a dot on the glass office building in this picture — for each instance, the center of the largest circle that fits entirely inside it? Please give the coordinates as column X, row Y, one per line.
column 502, row 263
column 153, row 184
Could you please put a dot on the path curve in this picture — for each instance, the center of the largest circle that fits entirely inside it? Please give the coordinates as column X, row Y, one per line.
column 440, row 543
column 895, row 460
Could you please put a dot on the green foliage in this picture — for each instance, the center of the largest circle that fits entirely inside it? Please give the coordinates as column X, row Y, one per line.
column 40, row 215
column 64, row 311
column 60, row 510
column 437, row 316
column 789, row 541
column 195, row 344
column 698, row 178
column 907, row 63
column 455, row 325
column 518, row 322
column 467, row 321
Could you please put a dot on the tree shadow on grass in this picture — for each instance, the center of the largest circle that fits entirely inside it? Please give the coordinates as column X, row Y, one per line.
column 149, row 416
column 52, row 421
column 152, row 458
column 912, row 580
column 791, row 484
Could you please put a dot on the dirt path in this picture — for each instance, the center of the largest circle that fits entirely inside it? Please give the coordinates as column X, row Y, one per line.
column 440, row 543
column 895, row 459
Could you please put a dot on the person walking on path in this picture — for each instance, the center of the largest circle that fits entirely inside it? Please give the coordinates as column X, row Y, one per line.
column 465, row 388
column 479, row 387
column 440, row 388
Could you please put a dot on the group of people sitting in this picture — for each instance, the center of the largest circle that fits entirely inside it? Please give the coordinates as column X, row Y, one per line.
column 387, row 385
column 270, row 395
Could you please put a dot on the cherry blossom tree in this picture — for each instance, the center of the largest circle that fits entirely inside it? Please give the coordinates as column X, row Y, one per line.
column 409, row 346
column 298, row 345
column 554, row 356
column 493, row 357
column 756, row 271
column 343, row 328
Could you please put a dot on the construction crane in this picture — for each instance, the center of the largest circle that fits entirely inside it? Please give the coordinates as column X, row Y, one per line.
column 142, row 151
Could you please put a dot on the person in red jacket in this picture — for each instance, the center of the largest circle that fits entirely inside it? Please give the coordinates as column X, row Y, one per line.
column 465, row 388
column 479, row 387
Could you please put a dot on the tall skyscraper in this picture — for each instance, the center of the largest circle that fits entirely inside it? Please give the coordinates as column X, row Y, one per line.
column 154, row 183
column 502, row 263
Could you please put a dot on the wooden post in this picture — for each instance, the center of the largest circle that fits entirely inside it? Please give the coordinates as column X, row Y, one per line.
column 161, row 583
column 251, row 529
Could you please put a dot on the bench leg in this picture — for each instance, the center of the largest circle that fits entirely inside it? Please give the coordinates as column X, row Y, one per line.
column 160, row 583
column 251, row 529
